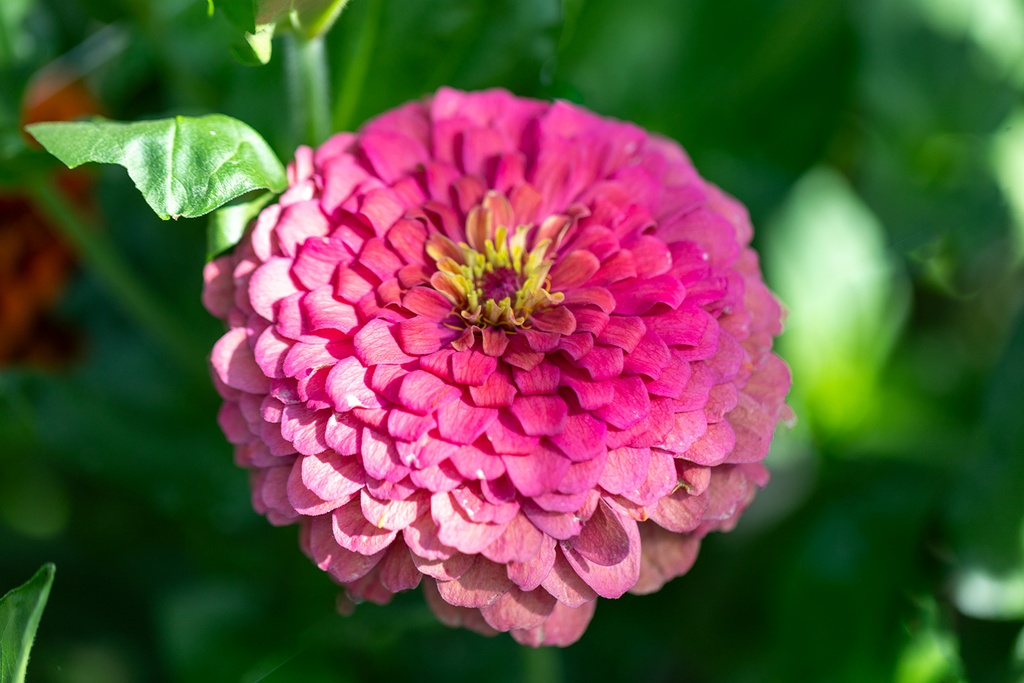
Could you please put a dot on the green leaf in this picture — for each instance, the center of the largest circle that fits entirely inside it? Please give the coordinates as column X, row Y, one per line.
column 184, row 167
column 228, row 224
column 20, row 611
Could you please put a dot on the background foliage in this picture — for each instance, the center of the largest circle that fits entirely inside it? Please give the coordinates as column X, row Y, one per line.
column 880, row 147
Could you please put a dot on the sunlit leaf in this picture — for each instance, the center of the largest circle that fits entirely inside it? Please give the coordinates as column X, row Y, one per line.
column 20, row 612
column 184, row 167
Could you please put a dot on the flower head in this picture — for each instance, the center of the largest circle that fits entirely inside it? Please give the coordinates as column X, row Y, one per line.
column 507, row 349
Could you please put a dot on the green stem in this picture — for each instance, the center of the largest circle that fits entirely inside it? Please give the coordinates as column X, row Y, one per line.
column 97, row 254
column 542, row 665
column 358, row 66
column 308, row 84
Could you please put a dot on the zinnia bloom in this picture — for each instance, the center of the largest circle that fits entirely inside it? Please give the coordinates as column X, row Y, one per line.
column 507, row 349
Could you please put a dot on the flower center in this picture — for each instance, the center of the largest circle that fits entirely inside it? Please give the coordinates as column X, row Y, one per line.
column 493, row 278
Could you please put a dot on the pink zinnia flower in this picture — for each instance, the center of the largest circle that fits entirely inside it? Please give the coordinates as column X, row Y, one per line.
column 507, row 349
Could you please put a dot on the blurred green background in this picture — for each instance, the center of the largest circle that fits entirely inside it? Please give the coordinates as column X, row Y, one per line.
column 879, row 145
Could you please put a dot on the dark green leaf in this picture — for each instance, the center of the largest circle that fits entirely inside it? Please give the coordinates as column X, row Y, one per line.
column 20, row 611
column 228, row 224
column 184, row 167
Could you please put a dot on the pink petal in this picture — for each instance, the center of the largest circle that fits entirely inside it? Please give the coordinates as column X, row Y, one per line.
column 397, row 570
column 270, row 283
column 342, row 433
column 540, row 415
column 562, row 628
column 665, row 556
column 447, row 569
column 393, row 514
column 343, row 564
column 520, row 542
column 714, row 446
column 506, row 436
column 484, row 583
column 519, row 610
column 543, row 379
column 330, row 476
column 565, row 584
column 496, row 392
column 614, row 580
column 304, row 428
column 376, row 344
column 422, row 392
column 422, row 539
column 572, row 270
column 380, row 456
column 453, row 616
column 582, row 438
column 347, row 386
column 528, row 575
column 318, row 259
column 353, row 531
column 536, row 473
column 462, row 422
column 622, row 331
column 630, row 405
column 457, row 530
column 233, row 361
column 473, row 463
column 472, row 367
column 625, row 469
column 680, row 512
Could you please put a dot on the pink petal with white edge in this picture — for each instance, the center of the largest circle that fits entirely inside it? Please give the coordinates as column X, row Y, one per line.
column 562, row 628
column 484, row 583
column 519, row 610
column 233, row 361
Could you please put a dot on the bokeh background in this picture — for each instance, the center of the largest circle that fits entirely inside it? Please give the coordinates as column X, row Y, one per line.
column 879, row 145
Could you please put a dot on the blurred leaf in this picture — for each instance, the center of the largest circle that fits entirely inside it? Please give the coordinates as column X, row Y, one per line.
column 228, row 224
column 20, row 612
column 988, row 512
column 184, row 167
column 830, row 267
column 12, row 15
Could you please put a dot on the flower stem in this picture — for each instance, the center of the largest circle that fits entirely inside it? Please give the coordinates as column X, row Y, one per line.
column 542, row 665
column 309, row 85
column 97, row 254
column 358, row 66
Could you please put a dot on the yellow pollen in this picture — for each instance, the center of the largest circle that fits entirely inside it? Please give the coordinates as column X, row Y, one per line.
column 494, row 279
